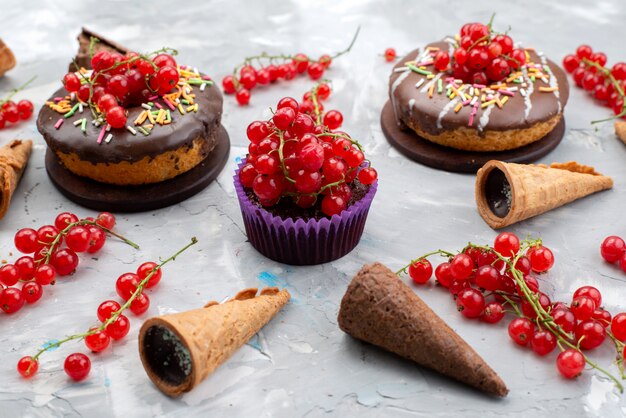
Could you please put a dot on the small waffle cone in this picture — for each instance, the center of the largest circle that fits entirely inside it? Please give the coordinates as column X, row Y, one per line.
column 213, row 333
column 536, row 189
column 620, row 130
column 13, row 159
column 7, row 59
column 380, row 309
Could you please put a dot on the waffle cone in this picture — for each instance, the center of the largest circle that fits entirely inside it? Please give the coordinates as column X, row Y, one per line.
column 620, row 130
column 536, row 189
column 7, row 59
column 380, row 309
column 13, row 159
column 210, row 335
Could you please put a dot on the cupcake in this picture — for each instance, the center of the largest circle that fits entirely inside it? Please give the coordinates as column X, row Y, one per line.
column 304, row 188
column 478, row 92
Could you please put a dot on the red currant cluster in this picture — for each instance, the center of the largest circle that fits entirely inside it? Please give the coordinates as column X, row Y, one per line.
column 113, row 324
column 484, row 280
column 272, row 68
column 11, row 112
column 481, row 55
column 49, row 257
column 302, row 156
column 390, row 55
column 613, row 250
column 605, row 85
column 122, row 81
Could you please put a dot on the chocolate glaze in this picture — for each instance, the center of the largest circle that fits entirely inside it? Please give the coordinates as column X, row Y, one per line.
column 166, row 355
column 498, row 193
column 425, row 111
column 128, row 147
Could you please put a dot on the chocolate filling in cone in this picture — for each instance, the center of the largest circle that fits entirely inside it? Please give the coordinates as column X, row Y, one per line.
column 380, row 309
column 179, row 351
column 507, row 193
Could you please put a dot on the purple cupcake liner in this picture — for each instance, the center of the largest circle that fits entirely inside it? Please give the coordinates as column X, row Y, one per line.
column 303, row 242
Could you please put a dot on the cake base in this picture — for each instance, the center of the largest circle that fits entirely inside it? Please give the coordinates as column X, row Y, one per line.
column 437, row 156
column 112, row 198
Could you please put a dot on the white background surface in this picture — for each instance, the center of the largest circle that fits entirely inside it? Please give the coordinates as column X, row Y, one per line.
column 301, row 364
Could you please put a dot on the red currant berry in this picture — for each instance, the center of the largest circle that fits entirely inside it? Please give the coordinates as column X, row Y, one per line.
column 45, row 274
column 441, row 61
column 368, row 175
column 71, row 82
column 583, row 307
column 27, row 367
column 443, row 275
column 591, row 292
column 288, row 102
column 565, row 319
column 541, row 258
column 570, row 363
column 9, row 274
column 243, row 96
column 420, row 271
column 140, row 304
column 257, row 131
column 498, row 69
column 46, row 234
column 571, row 62
column 487, row 277
column 272, row 70
column 302, row 125
column 25, row 108
column 325, row 60
column 529, row 310
column 118, row 86
column 263, row 77
column 311, row 157
column 507, row 244
column 612, row 248
column 64, row 219
column 26, row 241
column 106, row 220
column 97, row 238
column 301, row 62
column 228, row 84
column 543, row 343
column 248, row 80
column 119, row 328
column 578, row 74
column 84, row 93
column 98, row 341
column 619, row 71
column 316, row 70
column 461, row 266
column 333, row 205
column 32, row 292
column 390, row 54
column 11, row 300
column 590, row 334
column 284, row 117
column 334, row 169
column 77, row 366
column 333, row 119
column 470, row 302
column 477, row 58
column 584, row 51
column 618, row 326
column 247, row 174
column 493, row 313
column 494, row 50
column 126, row 285
column 77, row 238
column 64, row 261
column 268, row 187
column 145, row 269
column 26, row 267
column 602, row 316
column 116, row 117
column 106, row 309
column 598, row 58
column 163, row 60
column 354, row 157
column 521, row 331
column 460, row 56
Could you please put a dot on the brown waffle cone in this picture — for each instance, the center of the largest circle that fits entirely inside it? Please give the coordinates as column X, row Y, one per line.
column 536, row 189
column 13, row 159
column 380, row 309
column 7, row 59
column 83, row 58
column 210, row 335
column 620, row 130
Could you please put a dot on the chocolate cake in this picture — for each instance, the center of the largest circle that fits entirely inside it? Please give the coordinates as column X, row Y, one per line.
column 517, row 111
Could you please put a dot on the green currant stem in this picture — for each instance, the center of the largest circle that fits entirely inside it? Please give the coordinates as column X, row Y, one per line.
column 316, row 105
column 285, row 57
column 443, row 253
column 64, row 232
column 16, row 90
column 117, row 313
column 513, row 305
column 353, row 141
column 281, row 157
column 619, row 346
column 539, row 310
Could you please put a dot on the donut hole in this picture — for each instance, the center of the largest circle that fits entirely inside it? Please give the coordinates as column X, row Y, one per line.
column 166, row 355
column 498, row 193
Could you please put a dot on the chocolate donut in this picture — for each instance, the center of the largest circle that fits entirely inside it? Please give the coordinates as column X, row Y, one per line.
column 527, row 109
column 134, row 158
